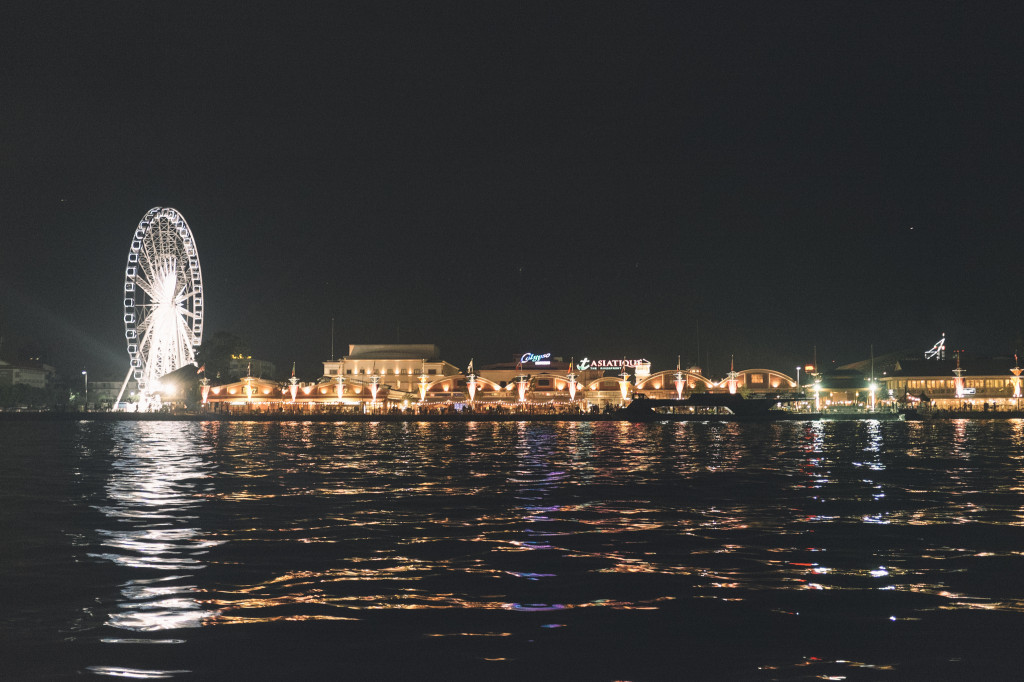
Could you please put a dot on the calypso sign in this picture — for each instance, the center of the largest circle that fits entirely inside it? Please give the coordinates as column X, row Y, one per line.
column 537, row 359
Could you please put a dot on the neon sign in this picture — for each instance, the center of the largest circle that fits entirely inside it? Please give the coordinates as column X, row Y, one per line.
column 543, row 359
column 587, row 363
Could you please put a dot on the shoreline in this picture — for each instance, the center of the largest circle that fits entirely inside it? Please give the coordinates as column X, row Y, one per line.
column 477, row 417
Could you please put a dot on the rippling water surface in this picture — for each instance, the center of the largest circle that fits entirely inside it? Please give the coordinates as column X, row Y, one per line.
column 592, row 551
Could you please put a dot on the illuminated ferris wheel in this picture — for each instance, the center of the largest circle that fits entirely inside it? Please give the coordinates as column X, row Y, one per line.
column 163, row 301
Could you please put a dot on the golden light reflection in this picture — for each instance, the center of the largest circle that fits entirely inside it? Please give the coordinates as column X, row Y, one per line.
column 814, row 661
column 222, row 619
column 467, row 634
column 422, row 517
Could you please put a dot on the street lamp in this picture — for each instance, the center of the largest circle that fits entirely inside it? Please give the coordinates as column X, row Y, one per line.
column 85, row 374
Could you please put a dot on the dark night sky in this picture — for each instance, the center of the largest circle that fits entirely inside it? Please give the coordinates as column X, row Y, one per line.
column 507, row 177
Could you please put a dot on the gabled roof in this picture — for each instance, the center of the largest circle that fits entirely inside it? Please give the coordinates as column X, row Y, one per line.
column 394, row 351
column 845, row 383
column 880, row 363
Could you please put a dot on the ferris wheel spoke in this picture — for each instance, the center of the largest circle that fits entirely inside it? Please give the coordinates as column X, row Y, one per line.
column 146, row 287
column 181, row 295
column 146, row 341
column 184, row 347
column 146, row 263
column 145, row 272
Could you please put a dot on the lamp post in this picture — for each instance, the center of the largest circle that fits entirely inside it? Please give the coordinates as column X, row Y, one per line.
column 959, row 381
column 798, row 378
column 85, row 375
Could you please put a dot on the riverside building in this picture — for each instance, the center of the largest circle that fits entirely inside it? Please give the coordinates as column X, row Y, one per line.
column 390, row 377
column 963, row 383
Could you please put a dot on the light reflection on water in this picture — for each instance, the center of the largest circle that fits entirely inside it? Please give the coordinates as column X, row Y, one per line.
column 157, row 484
column 776, row 551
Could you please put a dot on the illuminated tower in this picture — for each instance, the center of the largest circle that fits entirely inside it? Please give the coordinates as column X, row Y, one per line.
column 624, row 382
column 732, row 378
column 471, row 381
column 423, row 382
column 1016, row 382
column 959, row 381
column 680, row 382
column 293, row 384
column 571, row 378
column 374, row 387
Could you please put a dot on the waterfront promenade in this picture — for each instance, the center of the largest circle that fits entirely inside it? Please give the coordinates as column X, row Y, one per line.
column 778, row 415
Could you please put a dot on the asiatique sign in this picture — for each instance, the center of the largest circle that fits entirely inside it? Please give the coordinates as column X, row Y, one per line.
column 587, row 363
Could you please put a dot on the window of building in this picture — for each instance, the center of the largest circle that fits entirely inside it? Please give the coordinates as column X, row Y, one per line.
column 756, row 378
column 543, row 382
column 348, row 371
column 431, row 371
column 332, row 372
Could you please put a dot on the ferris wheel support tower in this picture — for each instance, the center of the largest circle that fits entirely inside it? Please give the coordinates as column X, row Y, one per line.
column 163, row 302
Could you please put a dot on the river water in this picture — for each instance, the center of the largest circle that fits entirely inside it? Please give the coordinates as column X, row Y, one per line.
column 512, row 551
